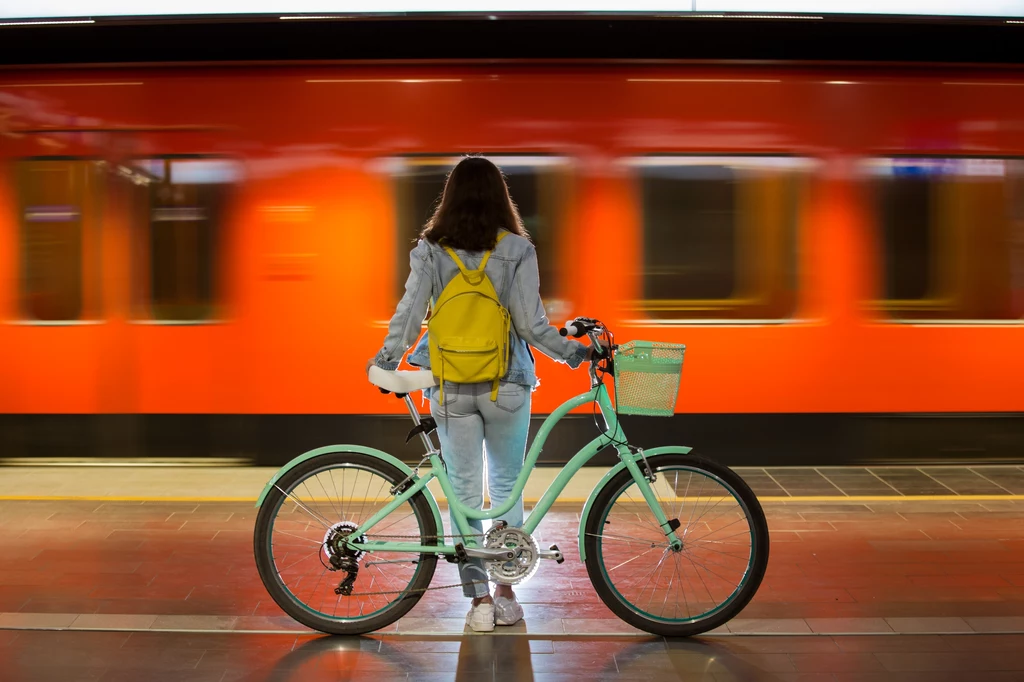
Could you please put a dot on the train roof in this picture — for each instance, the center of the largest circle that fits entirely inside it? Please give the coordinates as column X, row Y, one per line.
column 827, row 39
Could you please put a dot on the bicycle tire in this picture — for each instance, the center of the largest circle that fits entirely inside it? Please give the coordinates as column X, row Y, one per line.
column 297, row 609
column 629, row 612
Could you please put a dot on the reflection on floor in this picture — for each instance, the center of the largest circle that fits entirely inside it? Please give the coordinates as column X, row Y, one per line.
column 131, row 657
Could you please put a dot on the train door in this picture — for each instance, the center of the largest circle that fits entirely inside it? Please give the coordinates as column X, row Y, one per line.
column 61, row 333
column 189, row 348
column 119, row 305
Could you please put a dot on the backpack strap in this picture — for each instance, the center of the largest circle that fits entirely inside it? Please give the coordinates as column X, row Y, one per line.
column 474, row 274
column 458, row 261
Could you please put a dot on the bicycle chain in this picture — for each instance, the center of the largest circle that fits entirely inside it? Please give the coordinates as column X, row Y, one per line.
column 417, row 591
column 422, row 589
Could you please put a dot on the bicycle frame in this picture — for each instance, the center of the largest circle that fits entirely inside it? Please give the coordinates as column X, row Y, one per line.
column 612, row 435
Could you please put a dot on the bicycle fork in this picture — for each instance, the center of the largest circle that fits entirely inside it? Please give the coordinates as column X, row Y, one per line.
column 644, row 478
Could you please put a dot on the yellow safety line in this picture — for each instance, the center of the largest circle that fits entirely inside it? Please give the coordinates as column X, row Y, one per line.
column 570, row 500
column 117, row 498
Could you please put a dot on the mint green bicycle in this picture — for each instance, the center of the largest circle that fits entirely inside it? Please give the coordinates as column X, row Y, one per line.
column 347, row 537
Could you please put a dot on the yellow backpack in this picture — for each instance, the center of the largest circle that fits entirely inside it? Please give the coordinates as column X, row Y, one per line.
column 468, row 329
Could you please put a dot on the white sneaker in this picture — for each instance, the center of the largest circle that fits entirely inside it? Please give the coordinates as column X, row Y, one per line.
column 481, row 618
column 507, row 611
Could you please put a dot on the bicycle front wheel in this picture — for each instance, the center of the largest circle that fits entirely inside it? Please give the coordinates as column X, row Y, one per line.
column 685, row 591
column 305, row 553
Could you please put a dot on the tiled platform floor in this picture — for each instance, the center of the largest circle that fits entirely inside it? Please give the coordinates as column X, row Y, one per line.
column 874, row 560
column 872, row 587
column 885, row 481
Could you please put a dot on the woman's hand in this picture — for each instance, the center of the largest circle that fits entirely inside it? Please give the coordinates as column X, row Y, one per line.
column 591, row 352
column 369, row 364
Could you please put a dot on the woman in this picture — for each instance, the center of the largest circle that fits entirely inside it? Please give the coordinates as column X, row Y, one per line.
column 474, row 207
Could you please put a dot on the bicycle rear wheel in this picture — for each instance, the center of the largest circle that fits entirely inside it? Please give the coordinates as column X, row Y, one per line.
column 677, row 593
column 303, row 545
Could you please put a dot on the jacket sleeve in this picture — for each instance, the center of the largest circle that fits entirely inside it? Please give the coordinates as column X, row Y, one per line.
column 530, row 320
column 407, row 322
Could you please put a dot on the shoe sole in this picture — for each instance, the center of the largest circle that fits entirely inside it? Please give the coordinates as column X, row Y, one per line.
column 507, row 624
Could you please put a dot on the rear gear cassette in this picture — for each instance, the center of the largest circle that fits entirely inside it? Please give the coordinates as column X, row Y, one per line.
column 526, row 560
column 338, row 546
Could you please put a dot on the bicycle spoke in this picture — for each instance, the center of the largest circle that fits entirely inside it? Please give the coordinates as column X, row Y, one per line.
column 652, row 526
column 683, row 592
column 324, row 522
column 706, row 535
column 318, row 543
column 630, row 560
column 618, row 538
column 314, row 503
column 330, row 502
column 303, row 558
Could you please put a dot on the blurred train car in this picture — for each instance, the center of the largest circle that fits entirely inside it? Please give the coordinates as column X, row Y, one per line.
column 197, row 262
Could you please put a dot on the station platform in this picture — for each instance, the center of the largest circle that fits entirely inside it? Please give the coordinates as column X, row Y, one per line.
column 147, row 573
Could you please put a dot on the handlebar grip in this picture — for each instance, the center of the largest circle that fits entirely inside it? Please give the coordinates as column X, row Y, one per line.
column 573, row 329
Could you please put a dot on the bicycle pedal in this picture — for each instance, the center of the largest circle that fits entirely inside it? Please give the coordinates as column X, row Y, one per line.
column 460, row 556
column 552, row 553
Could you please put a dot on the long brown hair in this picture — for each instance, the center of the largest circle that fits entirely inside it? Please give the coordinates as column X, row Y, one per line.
column 474, row 205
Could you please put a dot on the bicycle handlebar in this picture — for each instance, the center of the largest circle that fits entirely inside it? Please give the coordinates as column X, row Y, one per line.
column 585, row 326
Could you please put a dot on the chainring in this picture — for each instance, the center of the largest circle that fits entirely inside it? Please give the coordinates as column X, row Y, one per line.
column 518, row 569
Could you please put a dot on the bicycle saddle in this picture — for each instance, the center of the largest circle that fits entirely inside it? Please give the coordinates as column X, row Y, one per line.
column 400, row 381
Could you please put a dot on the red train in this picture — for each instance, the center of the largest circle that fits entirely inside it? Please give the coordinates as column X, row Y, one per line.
column 199, row 261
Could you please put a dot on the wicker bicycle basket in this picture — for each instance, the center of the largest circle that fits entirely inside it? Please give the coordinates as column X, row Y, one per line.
column 647, row 377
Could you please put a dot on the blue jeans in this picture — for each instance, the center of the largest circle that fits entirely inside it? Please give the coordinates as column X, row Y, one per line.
column 467, row 422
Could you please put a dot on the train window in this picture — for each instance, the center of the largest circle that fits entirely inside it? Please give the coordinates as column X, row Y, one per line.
column 719, row 237
column 950, row 237
column 58, row 206
column 537, row 185
column 184, row 205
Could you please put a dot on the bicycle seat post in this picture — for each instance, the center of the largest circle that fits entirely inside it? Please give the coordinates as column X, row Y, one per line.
column 415, row 414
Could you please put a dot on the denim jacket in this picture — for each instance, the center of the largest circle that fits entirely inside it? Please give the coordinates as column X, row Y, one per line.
column 513, row 271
